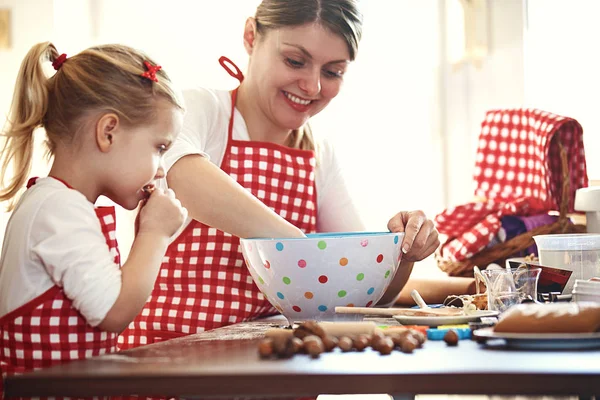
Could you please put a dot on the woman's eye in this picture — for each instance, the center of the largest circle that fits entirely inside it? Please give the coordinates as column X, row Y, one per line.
column 162, row 148
column 294, row 63
column 334, row 73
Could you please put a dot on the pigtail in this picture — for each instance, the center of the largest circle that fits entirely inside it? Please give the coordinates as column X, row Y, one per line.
column 29, row 104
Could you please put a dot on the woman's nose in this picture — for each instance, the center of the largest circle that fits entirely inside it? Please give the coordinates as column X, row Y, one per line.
column 311, row 83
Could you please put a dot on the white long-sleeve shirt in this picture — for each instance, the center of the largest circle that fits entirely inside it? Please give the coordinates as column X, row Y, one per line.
column 54, row 237
column 205, row 132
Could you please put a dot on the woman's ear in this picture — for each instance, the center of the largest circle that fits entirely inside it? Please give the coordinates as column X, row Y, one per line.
column 106, row 130
column 249, row 35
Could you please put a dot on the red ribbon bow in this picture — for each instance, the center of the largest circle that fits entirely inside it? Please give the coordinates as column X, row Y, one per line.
column 151, row 73
column 59, row 61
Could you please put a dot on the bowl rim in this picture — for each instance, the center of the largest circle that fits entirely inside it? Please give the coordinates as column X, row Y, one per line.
column 328, row 235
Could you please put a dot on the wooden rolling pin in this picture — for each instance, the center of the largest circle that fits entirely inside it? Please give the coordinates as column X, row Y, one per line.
column 413, row 312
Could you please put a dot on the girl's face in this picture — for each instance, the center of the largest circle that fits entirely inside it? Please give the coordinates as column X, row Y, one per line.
column 296, row 72
column 138, row 161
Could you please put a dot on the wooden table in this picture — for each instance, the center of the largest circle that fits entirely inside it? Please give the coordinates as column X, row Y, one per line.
column 224, row 362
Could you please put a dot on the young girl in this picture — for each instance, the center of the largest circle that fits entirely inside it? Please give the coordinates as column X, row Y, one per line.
column 109, row 113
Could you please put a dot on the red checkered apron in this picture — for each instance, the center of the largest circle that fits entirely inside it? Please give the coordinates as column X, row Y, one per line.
column 203, row 283
column 48, row 330
column 517, row 172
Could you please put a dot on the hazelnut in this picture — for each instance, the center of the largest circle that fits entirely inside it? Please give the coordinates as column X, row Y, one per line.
column 451, row 338
column 360, row 342
column 313, row 345
column 398, row 337
column 309, row 328
column 420, row 336
column 377, row 337
column 265, row 348
column 385, row 346
column 345, row 343
column 408, row 344
column 329, row 342
column 285, row 347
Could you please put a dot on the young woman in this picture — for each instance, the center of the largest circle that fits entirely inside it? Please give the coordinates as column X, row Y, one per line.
column 259, row 135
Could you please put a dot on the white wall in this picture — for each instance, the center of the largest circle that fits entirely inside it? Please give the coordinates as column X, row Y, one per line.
column 32, row 22
column 562, row 68
column 470, row 90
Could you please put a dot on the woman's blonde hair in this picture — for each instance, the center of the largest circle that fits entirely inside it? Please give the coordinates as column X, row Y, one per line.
column 341, row 17
column 103, row 78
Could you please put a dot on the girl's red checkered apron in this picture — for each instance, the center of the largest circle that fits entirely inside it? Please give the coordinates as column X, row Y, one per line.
column 517, row 172
column 48, row 330
column 203, row 282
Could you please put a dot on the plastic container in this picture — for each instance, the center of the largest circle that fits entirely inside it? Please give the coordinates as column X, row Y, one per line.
column 577, row 252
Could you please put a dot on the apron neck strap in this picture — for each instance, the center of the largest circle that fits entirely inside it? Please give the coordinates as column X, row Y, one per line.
column 231, row 68
column 234, row 71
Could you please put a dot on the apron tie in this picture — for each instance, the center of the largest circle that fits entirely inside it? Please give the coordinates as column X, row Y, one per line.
column 233, row 70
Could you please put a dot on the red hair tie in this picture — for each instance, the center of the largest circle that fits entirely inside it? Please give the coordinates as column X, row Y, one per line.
column 151, row 73
column 60, row 60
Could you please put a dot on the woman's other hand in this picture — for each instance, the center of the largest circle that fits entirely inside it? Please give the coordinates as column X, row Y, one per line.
column 420, row 238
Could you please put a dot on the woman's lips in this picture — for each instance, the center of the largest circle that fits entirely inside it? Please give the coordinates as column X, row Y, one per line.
column 297, row 103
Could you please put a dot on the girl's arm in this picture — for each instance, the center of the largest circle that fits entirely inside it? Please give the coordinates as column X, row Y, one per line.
column 159, row 218
column 212, row 197
column 137, row 280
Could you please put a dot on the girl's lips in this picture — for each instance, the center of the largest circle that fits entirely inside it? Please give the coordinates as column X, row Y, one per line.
column 148, row 189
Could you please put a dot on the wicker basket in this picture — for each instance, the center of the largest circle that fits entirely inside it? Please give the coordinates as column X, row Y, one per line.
column 500, row 252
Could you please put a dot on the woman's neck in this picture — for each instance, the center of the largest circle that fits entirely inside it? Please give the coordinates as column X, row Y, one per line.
column 260, row 128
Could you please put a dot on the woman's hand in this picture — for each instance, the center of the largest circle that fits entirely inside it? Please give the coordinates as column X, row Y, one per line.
column 420, row 238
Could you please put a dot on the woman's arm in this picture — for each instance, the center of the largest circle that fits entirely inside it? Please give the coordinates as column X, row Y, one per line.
column 212, row 197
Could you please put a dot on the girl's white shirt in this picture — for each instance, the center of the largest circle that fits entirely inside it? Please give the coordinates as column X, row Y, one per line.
column 205, row 132
column 54, row 237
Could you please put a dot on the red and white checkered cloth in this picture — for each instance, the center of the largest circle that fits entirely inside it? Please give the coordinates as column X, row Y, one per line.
column 517, row 172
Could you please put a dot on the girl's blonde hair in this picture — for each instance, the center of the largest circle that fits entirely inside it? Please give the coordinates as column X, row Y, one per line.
column 104, row 78
column 341, row 17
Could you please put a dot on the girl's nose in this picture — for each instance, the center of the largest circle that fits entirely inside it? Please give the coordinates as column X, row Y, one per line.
column 160, row 172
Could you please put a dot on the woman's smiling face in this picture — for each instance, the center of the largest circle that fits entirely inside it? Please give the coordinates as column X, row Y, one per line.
column 296, row 72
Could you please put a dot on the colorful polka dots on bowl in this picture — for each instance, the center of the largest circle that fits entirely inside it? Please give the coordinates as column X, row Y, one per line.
column 308, row 278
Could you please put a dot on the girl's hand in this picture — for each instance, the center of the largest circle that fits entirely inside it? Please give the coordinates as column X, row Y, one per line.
column 160, row 214
column 421, row 236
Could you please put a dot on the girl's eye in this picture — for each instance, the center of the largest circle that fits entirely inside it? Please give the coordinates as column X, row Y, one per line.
column 294, row 63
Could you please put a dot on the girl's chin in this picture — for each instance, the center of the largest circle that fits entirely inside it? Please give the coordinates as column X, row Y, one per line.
column 132, row 204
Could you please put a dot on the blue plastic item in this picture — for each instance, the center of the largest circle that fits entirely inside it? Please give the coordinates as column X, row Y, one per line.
column 438, row 333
